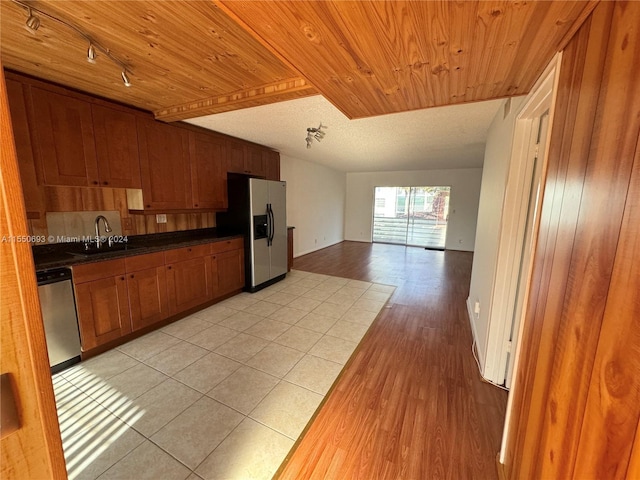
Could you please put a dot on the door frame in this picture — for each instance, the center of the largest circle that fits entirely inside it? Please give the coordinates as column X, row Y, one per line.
column 510, row 271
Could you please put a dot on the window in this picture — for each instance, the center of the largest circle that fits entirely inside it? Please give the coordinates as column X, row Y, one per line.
column 411, row 215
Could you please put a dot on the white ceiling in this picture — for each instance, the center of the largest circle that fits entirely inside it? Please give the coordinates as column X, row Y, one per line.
column 443, row 137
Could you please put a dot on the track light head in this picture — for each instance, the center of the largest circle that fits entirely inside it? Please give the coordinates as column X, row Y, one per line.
column 125, row 79
column 91, row 54
column 33, row 22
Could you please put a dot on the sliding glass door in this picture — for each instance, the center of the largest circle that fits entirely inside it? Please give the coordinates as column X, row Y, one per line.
column 414, row 216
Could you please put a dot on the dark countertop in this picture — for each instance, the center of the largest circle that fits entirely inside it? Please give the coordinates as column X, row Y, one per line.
column 59, row 255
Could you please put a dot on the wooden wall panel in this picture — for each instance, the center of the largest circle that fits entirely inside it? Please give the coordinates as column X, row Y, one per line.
column 613, row 402
column 594, row 139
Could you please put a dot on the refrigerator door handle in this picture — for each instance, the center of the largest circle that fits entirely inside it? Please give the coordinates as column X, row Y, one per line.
column 269, row 225
column 273, row 223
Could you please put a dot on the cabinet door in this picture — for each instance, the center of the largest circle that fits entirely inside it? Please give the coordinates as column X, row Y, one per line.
column 208, row 171
column 230, row 271
column 272, row 163
column 237, row 154
column 63, row 130
column 103, row 311
column 164, row 165
column 188, row 284
column 255, row 163
column 33, row 199
column 116, row 141
column 147, row 297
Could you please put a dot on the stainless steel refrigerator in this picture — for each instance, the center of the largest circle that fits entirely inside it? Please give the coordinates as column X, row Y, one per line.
column 257, row 208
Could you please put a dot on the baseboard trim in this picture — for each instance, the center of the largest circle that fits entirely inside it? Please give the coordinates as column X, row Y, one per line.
column 307, row 252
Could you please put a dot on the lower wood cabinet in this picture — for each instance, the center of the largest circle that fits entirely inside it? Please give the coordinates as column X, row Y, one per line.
column 189, row 284
column 230, row 271
column 116, row 297
column 147, row 287
column 102, row 304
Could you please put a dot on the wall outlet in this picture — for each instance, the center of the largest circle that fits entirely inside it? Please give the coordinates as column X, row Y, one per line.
column 161, row 218
column 476, row 308
column 460, row 240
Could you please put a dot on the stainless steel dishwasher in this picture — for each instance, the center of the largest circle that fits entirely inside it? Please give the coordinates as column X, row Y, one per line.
column 60, row 319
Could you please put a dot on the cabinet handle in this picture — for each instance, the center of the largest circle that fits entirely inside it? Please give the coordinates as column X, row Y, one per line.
column 148, row 206
column 121, row 278
column 131, row 275
column 169, row 268
column 95, row 182
column 195, row 204
column 188, row 250
column 105, row 183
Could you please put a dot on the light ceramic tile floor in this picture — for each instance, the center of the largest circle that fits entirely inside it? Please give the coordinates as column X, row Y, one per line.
column 221, row 394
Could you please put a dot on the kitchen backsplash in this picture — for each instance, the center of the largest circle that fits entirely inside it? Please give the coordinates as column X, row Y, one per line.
column 62, row 225
column 93, row 201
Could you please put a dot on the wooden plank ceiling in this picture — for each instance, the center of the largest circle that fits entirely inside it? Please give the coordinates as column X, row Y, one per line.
column 192, row 58
column 179, row 52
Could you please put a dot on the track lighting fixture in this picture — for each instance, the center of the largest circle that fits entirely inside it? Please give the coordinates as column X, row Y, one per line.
column 316, row 133
column 91, row 54
column 33, row 23
column 125, row 79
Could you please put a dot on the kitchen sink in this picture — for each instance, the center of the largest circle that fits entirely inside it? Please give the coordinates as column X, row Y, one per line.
column 91, row 249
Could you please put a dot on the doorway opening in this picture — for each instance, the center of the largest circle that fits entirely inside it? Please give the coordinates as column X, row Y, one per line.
column 412, row 216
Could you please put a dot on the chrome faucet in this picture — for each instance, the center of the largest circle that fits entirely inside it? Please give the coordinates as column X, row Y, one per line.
column 107, row 228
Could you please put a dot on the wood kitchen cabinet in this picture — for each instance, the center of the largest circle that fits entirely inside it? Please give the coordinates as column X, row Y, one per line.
column 272, row 163
column 117, row 297
column 63, row 139
column 188, row 277
column 255, row 163
column 164, row 165
column 33, row 198
column 147, row 289
column 102, row 302
column 116, row 140
column 230, row 271
column 247, row 159
column 228, row 258
column 208, row 155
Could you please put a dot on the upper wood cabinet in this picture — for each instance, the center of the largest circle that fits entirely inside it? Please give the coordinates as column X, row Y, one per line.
column 248, row 159
column 33, row 198
column 255, row 162
column 116, row 139
column 164, row 165
column 237, row 151
column 272, row 162
column 64, row 139
column 208, row 155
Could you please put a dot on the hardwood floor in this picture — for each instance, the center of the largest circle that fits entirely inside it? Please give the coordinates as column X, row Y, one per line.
column 410, row 404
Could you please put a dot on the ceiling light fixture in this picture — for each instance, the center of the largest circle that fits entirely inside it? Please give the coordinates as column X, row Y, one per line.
column 316, row 133
column 33, row 23
column 91, row 54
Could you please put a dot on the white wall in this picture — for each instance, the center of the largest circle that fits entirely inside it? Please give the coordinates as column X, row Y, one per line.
column 315, row 204
column 494, row 178
column 463, row 204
